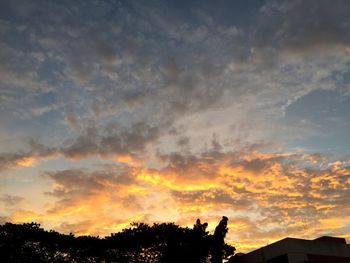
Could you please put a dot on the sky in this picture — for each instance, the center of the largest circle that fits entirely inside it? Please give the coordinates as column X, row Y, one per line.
column 168, row 111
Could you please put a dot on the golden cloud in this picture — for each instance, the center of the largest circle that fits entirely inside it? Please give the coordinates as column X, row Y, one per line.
column 266, row 195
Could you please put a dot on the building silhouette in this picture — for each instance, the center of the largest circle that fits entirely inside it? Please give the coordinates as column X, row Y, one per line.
column 294, row 250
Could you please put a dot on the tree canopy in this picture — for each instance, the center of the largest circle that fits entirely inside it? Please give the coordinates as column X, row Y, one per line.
column 160, row 242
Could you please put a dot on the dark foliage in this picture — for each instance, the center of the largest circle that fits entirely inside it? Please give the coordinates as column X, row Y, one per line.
column 164, row 242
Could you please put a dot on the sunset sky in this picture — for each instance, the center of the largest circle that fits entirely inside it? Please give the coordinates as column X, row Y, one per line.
column 168, row 111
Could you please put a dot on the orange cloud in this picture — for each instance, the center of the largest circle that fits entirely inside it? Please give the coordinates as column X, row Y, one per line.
column 26, row 161
column 267, row 196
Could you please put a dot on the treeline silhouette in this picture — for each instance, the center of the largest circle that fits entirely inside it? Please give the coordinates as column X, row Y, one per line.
column 160, row 242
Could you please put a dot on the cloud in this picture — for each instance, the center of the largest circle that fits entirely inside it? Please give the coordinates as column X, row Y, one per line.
column 266, row 195
column 284, row 194
column 125, row 145
column 303, row 25
column 209, row 198
column 96, row 202
column 8, row 161
column 37, row 153
column 119, row 142
column 11, row 200
column 79, row 191
column 128, row 66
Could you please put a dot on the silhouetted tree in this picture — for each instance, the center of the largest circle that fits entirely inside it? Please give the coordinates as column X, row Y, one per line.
column 165, row 242
column 219, row 249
